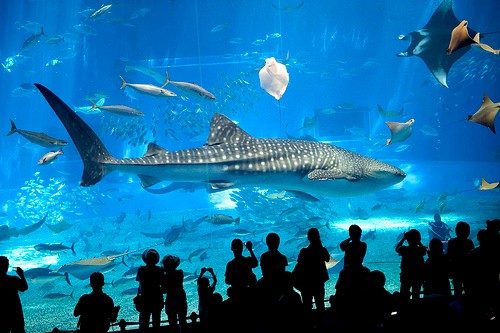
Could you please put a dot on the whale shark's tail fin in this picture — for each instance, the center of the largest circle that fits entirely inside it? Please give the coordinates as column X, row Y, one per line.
column 92, row 151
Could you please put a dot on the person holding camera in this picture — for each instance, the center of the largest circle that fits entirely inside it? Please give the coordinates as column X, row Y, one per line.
column 239, row 271
column 242, row 280
column 205, row 294
column 412, row 265
column 11, row 310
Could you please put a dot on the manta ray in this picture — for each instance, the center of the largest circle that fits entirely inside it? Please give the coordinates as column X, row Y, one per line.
column 431, row 42
column 231, row 158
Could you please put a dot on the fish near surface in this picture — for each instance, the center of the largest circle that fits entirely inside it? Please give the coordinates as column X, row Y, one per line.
column 231, row 158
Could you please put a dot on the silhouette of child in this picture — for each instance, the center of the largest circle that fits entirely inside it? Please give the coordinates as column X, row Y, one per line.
column 350, row 289
column 96, row 310
column 11, row 310
column 482, row 279
column 175, row 301
column 457, row 250
column 270, row 287
column 354, row 248
column 381, row 303
column 273, row 264
column 412, row 265
column 205, row 294
column 151, row 280
column 436, row 270
column 313, row 272
column 239, row 274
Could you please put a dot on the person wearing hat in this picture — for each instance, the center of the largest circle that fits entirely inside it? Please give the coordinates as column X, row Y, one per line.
column 175, row 300
column 96, row 310
column 151, row 280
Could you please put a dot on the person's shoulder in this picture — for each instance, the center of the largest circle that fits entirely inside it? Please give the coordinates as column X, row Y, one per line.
column 84, row 297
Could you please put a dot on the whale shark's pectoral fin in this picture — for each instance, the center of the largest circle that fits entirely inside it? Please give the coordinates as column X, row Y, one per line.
column 331, row 174
column 147, row 181
column 220, row 185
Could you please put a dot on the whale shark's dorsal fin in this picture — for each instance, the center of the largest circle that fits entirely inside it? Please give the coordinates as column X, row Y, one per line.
column 154, row 149
column 224, row 130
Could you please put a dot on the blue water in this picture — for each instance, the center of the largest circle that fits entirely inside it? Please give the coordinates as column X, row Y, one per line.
column 342, row 63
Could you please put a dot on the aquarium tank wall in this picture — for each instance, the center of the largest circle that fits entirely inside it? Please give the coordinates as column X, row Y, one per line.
column 286, row 80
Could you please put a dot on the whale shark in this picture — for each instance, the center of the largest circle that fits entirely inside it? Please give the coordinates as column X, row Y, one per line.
column 231, row 158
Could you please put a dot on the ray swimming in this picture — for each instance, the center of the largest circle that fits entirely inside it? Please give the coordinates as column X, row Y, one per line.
column 430, row 43
column 231, row 158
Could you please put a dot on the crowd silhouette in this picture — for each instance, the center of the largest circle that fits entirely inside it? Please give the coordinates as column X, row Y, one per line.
column 453, row 287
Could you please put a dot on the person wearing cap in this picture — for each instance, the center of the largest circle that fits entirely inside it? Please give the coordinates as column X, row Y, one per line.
column 151, row 280
column 175, row 300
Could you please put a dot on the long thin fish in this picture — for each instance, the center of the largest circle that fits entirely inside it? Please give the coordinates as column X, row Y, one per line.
column 191, row 88
column 40, row 139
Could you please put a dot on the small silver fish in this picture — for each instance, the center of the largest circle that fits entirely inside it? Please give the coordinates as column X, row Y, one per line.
column 148, row 89
column 99, row 12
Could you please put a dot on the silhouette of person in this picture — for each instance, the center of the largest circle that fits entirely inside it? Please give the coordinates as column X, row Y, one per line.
column 351, row 286
column 216, row 314
column 438, row 229
column 96, row 310
column 242, row 280
column 175, row 300
column 412, row 265
column 354, row 248
column 270, row 286
column 312, row 271
column 11, row 310
column 380, row 302
column 436, row 270
column 151, row 280
column 273, row 264
column 290, row 315
column 457, row 250
column 481, row 279
column 239, row 271
column 205, row 294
